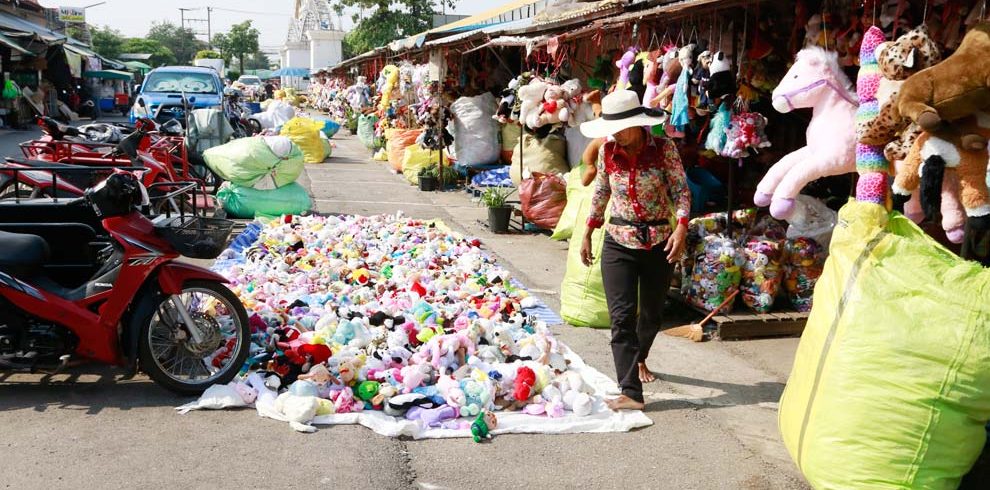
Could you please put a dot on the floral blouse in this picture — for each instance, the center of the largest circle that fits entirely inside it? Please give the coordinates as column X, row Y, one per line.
column 641, row 191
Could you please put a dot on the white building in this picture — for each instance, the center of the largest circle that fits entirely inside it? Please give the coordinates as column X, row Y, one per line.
column 314, row 42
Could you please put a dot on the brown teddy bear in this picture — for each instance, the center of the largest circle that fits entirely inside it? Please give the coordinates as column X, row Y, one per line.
column 953, row 89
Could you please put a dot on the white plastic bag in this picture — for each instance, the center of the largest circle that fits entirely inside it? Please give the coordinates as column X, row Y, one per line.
column 576, row 144
column 812, row 219
column 475, row 132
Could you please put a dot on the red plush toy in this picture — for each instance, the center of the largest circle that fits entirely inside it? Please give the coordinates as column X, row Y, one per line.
column 525, row 379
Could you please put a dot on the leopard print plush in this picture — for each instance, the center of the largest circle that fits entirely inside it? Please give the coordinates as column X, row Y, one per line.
column 898, row 60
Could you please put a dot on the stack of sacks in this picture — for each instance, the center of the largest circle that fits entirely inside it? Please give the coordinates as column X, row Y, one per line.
column 382, row 313
column 309, row 135
column 396, row 143
column 416, row 158
column 276, row 114
column 244, row 162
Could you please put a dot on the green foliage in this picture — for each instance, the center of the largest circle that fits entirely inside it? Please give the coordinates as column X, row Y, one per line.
column 181, row 41
column 241, row 40
column 389, row 20
column 496, row 197
column 257, row 61
column 160, row 55
column 107, row 42
column 208, row 54
column 233, row 75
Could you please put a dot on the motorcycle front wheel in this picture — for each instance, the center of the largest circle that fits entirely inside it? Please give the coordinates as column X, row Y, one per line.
column 188, row 362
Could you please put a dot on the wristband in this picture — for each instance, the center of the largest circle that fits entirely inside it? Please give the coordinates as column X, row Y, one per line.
column 682, row 220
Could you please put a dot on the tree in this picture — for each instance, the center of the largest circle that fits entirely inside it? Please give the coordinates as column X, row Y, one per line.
column 208, row 54
column 242, row 39
column 222, row 43
column 258, row 61
column 181, row 41
column 160, row 55
column 107, row 42
column 388, row 20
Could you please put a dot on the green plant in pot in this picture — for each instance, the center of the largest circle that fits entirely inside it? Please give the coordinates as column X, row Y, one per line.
column 429, row 178
column 499, row 212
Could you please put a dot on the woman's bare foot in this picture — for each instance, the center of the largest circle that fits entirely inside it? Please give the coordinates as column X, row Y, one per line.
column 623, row 402
column 645, row 375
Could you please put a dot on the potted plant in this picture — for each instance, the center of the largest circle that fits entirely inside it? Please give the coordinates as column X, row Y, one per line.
column 429, row 178
column 498, row 211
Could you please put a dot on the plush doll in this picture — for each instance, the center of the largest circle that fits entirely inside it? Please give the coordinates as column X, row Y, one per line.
column 834, row 109
column 699, row 81
column 572, row 93
column 722, row 82
column 897, row 60
column 932, row 155
column 523, row 385
column 432, row 417
column 813, row 31
column 624, row 65
column 953, row 89
column 871, row 164
column 531, row 97
column 679, row 117
column 298, row 410
column 651, row 77
column 482, row 426
column 553, row 109
column 671, row 72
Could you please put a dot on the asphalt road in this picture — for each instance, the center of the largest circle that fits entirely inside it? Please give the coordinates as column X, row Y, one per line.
column 714, row 409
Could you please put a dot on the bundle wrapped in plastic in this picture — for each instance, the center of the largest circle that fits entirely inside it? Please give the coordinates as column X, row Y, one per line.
column 703, row 226
column 475, row 132
column 305, row 133
column 366, row 131
column 716, row 273
column 245, row 161
column 761, row 273
column 248, row 202
column 805, row 260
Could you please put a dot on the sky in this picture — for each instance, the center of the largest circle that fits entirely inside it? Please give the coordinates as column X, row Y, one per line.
column 270, row 17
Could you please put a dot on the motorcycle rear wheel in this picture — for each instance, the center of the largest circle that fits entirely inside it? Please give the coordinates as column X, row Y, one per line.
column 168, row 353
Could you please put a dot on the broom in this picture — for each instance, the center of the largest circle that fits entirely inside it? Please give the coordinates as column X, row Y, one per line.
column 696, row 331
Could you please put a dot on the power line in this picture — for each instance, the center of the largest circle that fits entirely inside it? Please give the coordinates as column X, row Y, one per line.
column 250, row 12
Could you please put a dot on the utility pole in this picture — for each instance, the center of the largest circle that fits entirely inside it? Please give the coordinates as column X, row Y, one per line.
column 209, row 28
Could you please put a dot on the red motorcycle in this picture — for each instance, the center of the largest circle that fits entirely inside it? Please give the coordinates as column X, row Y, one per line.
column 142, row 308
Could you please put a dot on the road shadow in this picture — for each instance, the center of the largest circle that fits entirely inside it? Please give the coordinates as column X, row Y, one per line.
column 91, row 389
column 732, row 394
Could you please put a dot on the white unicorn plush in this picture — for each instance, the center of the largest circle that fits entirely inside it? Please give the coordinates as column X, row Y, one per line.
column 816, row 80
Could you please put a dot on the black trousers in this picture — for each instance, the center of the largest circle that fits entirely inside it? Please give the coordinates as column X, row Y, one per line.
column 636, row 284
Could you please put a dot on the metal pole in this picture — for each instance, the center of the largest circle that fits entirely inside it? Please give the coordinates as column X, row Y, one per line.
column 209, row 28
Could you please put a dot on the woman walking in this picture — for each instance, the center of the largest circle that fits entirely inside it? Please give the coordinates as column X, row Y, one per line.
column 645, row 236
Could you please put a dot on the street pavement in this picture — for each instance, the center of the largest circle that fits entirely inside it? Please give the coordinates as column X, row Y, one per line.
column 713, row 409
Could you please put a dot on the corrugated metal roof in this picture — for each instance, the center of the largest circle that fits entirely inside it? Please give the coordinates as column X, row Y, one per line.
column 486, row 30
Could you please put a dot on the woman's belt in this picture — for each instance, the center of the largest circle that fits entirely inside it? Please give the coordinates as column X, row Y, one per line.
column 642, row 227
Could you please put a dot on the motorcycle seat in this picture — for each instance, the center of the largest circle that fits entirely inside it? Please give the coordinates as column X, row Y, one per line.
column 23, row 254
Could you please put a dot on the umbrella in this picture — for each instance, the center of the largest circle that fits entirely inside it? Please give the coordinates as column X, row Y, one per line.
column 291, row 72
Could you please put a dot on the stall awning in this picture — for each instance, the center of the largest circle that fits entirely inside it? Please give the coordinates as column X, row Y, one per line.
column 12, row 44
column 518, row 41
column 490, row 29
column 10, row 22
column 109, row 75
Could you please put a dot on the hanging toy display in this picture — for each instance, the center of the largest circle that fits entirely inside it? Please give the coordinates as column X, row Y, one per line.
column 815, row 80
column 679, row 117
column 871, row 163
column 624, row 64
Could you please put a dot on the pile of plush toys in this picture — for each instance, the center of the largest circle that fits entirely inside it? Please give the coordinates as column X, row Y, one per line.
column 385, row 313
column 543, row 104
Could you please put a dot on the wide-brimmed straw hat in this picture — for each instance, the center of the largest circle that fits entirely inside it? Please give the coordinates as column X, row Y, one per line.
column 620, row 110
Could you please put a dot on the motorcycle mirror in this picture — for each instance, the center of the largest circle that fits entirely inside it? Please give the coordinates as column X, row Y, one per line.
column 141, row 103
column 192, row 100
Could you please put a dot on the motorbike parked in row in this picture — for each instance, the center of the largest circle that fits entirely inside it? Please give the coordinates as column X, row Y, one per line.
column 140, row 307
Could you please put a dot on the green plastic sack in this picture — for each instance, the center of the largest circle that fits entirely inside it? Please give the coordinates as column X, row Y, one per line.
column 245, row 161
column 891, row 382
column 577, row 193
column 366, row 131
column 10, row 90
column 305, row 133
column 415, row 158
column 248, row 202
column 582, row 293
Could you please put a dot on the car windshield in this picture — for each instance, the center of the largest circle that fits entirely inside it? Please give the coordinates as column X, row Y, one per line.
column 192, row 83
column 249, row 80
